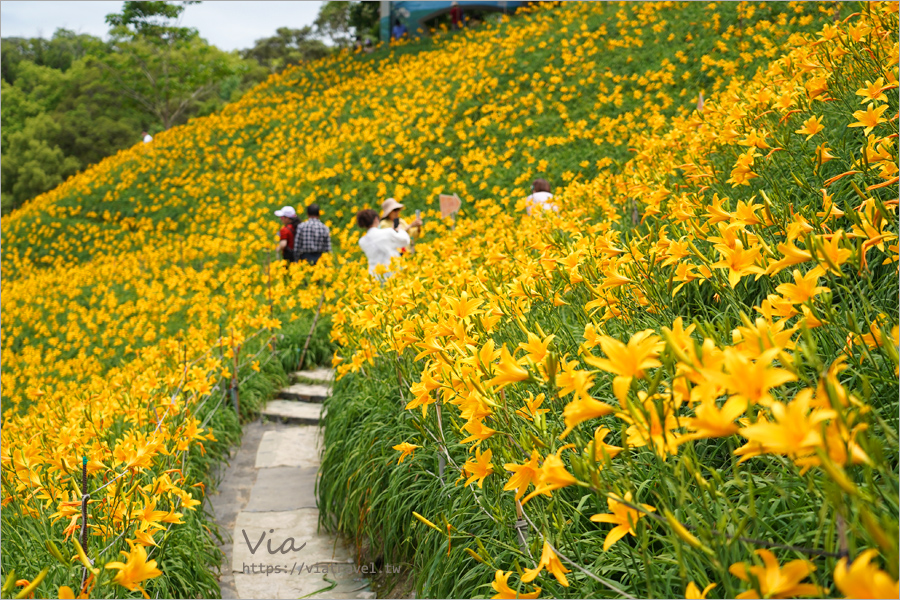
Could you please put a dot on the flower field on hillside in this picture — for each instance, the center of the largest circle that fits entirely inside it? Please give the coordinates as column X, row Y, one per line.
column 687, row 376
column 685, row 381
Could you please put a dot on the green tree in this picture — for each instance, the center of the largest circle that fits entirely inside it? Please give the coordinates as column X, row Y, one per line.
column 74, row 99
column 96, row 121
column 333, row 22
column 38, row 89
column 169, row 82
column 365, row 19
column 59, row 52
column 287, row 47
column 152, row 20
column 342, row 21
column 165, row 69
column 32, row 162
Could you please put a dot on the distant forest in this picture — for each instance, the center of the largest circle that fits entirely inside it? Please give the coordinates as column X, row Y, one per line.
column 74, row 99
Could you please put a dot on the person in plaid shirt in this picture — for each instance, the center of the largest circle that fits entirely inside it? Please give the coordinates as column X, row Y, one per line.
column 312, row 237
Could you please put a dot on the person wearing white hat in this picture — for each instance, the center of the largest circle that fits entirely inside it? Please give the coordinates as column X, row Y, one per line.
column 456, row 16
column 288, row 217
column 390, row 212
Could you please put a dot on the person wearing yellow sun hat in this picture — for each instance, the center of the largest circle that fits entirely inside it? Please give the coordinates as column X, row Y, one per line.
column 380, row 245
column 390, row 210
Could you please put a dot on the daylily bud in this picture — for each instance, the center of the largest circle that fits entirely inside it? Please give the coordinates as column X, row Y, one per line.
column 682, row 532
column 54, row 551
column 876, row 531
column 551, row 363
column 28, row 589
column 474, row 555
column 838, row 475
column 425, row 521
column 84, row 559
column 10, row 584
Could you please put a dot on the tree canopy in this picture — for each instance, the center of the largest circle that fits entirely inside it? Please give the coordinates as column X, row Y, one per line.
column 287, row 47
column 152, row 20
column 73, row 99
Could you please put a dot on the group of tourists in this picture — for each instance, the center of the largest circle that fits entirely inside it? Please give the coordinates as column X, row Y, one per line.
column 398, row 31
column 387, row 235
column 306, row 240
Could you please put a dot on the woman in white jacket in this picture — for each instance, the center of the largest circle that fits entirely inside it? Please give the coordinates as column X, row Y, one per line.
column 380, row 245
column 540, row 198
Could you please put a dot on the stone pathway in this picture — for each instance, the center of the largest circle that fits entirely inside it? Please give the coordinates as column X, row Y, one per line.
column 267, row 502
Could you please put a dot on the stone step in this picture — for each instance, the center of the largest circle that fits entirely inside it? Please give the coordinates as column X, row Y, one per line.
column 299, row 413
column 297, row 446
column 321, row 374
column 283, row 488
column 310, row 562
column 305, row 392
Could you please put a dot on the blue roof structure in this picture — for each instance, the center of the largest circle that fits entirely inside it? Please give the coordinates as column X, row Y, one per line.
column 418, row 16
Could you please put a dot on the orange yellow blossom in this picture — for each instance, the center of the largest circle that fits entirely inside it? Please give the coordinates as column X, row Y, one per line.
column 712, row 421
column 794, row 432
column 405, row 449
column 776, row 581
column 508, row 371
column 582, row 409
column 863, row 579
column 653, row 425
column 869, row 118
column 601, row 448
column 504, row 592
column 627, row 361
column 550, row 561
column 693, row 592
column 135, row 570
column 479, row 468
column 623, row 517
column 552, row 476
column 523, row 475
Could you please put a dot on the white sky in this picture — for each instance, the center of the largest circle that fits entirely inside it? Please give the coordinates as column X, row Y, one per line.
column 226, row 24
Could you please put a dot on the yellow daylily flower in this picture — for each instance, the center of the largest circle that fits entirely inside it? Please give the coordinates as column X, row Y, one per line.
column 776, row 581
column 623, row 517
column 405, row 449
column 627, row 361
column 135, row 570
column 862, row 579
column 504, row 592
column 548, row 561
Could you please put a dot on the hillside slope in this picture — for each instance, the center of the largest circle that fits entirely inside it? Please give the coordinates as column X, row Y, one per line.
column 127, row 287
column 685, row 381
column 561, row 92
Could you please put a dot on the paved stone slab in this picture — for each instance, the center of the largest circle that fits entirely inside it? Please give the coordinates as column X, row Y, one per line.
column 284, row 585
column 350, row 584
column 283, row 489
column 270, row 508
column 233, row 493
column 275, row 586
column 291, row 447
column 321, row 374
column 301, row 413
column 288, row 531
column 305, row 392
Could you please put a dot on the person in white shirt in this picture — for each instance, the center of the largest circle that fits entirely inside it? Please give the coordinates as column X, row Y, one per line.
column 390, row 210
column 380, row 245
column 540, row 197
column 146, row 137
